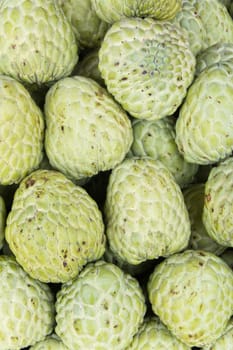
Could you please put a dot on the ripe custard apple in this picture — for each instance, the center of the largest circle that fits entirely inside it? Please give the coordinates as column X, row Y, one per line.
column 145, row 214
column 87, row 130
column 218, row 203
column 224, row 342
column 154, row 335
column 54, row 227
column 21, row 132
column 101, row 309
column 26, row 307
column 156, row 139
column 194, row 196
column 3, row 214
column 147, row 65
column 192, row 293
column 51, row 342
column 204, row 128
column 113, row 10
column 214, row 54
column 37, row 42
column 89, row 29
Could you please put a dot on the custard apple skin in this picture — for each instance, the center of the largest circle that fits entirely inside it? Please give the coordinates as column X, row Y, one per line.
column 224, row 342
column 51, row 342
column 21, row 132
column 101, row 309
column 204, row 128
column 89, row 29
column 154, row 335
column 218, row 203
column 156, row 139
column 54, row 227
column 3, row 214
column 145, row 215
column 87, row 130
column 194, row 196
column 113, row 10
column 38, row 44
column 192, row 293
column 26, row 307
column 147, row 65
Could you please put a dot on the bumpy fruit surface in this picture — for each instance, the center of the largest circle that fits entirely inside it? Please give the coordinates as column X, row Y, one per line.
column 194, row 196
column 145, row 214
column 101, row 309
column 113, row 10
column 51, row 342
column 87, row 130
column 54, row 227
column 37, row 41
column 154, row 335
column 2, row 221
column 192, row 293
column 21, row 132
column 204, row 129
column 26, row 307
column 224, row 342
column 218, row 203
column 89, row 29
column 156, row 139
column 147, row 66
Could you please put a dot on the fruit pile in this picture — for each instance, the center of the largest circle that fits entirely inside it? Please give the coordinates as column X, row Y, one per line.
column 116, row 174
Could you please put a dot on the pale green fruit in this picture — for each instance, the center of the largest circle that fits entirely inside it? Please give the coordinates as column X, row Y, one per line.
column 26, row 307
column 113, row 10
column 218, row 203
column 37, row 41
column 21, row 132
column 101, row 309
column 88, row 66
column 51, row 342
column 147, row 65
column 224, row 342
column 214, row 54
column 154, row 335
column 87, row 130
column 156, row 139
column 145, row 214
column 54, row 227
column 204, row 129
column 2, row 221
column 192, row 293
column 89, row 29
column 194, row 199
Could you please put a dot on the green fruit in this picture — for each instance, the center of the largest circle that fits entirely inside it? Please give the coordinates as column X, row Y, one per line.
column 192, row 293
column 51, row 342
column 218, row 203
column 21, row 133
column 54, row 227
column 2, row 221
column 224, row 342
column 154, row 335
column 87, row 130
column 147, row 65
column 194, row 196
column 113, row 10
column 156, row 139
column 145, row 214
column 37, row 42
column 204, row 129
column 101, row 309
column 89, row 29
column 26, row 307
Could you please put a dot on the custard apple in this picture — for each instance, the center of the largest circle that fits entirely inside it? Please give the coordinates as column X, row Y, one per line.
column 156, row 139
column 145, row 214
column 113, row 10
column 37, row 41
column 54, row 227
column 218, row 203
column 3, row 214
column 147, row 65
column 51, row 342
column 101, row 309
column 224, row 342
column 192, row 293
column 87, row 130
column 21, row 132
column 26, row 307
column 204, row 129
